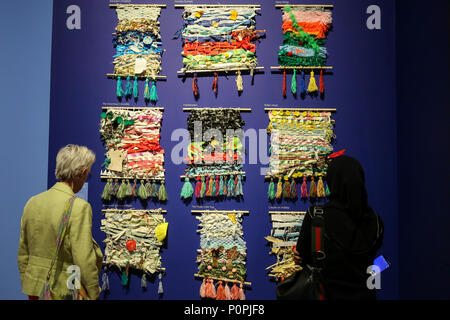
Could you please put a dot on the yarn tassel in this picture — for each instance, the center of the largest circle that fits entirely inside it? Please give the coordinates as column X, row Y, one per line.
column 203, row 188
column 286, row 189
column 320, row 188
column 146, row 91
column 194, row 85
column 312, row 87
column 106, row 194
column 154, row 190
column 225, row 185
column 217, row 187
column 303, row 189
column 284, row 82
column 241, row 293
column 187, row 190
column 302, row 83
column 198, row 187
column 153, row 93
column 105, row 280
column 230, row 187
column 144, row 281
column 239, row 191
column 327, row 190
column 227, row 292
column 124, row 280
column 135, row 88
column 160, row 285
column 312, row 189
column 142, row 191
column 294, row 83
column 239, row 83
column 220, row 292
column 133, row 190
column 129, row 189
column 321, row 84
column 293, row 188
column 162, row 193
column 210, row 291
column 279, row 189
column 235, row 292
column 214, row 84
column 211, row 187
column 129, row 88
column 221, row 186
column 122, row 192
column 119, row 90
column 271, row 191
column 202, row 288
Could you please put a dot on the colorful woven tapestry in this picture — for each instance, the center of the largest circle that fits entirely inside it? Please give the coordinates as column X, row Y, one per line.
column 300, row 146
column 215, row 154
column 284, row 235
column 222, row 255
column 133, row 240
column 304, row 44
column 131, row 138
column 219, row 39
column 138, row 50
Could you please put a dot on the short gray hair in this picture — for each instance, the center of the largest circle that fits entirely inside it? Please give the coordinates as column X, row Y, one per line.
column 72, row 160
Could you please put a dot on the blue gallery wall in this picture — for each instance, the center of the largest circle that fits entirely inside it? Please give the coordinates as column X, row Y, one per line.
column 25, row 56
column 362, row 88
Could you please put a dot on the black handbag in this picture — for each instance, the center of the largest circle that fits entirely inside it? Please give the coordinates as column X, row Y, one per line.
column 307, row 283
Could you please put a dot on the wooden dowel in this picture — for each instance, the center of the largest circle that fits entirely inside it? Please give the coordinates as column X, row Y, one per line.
column 219, row 70
column 223, row 279
column 301, row 109
column 240, row 109
column 137, row 5
column 287, row 212
column 217, row 5
column 301, row 67
column 127, row 177
column 304, row 5
column 135, row 108
column 211, row 175
column 219, row 211
column 115, row 75
column 134, row 210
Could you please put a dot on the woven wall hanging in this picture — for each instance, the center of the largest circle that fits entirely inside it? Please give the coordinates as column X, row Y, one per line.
column 305, row 29
column 215, row 158
column 133, row 240
column 284, row 235
column 222, row 255
column 300, row 143
column 134, row 159
column 137, row 41
column 217, row 39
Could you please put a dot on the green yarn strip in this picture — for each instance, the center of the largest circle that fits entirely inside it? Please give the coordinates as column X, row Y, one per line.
column 271, row 191
column 106, row 194
column 294, row 82
column 162, row 193
column 119, row 90
column 135, row 88
column 153, row 93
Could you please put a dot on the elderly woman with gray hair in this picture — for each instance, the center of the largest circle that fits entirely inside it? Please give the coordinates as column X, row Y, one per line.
column 41, row 225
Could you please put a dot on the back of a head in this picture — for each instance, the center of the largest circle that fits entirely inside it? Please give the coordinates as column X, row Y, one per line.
column 71, row 160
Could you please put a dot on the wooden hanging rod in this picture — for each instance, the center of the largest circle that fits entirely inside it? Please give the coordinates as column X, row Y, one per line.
column 301, row 109
column 137, row 5
column 129, row 178
column 220, row 70
column 300, row 67
column 210, row 175
column 135, row 108
column 223, row 279
column 115, row 75
column 217, row 5
column 134, row 210
column 219, row 211
column 240, row 109
column 287, row 212
column 304, row 5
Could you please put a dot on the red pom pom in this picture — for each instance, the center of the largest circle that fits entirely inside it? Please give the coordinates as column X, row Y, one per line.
column 131, row 245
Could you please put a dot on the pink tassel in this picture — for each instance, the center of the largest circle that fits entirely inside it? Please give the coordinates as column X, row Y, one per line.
column 213, row 290
column 227, row 292
column 220, row 292
column 303, row 188
column 241, row 293
column 202, row 289
column 235, row 292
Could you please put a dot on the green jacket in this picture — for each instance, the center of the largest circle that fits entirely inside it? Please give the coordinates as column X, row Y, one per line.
column 39, row 228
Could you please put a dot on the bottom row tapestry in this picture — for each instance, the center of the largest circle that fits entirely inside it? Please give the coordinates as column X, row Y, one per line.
column 222, row 255
column 133, row 240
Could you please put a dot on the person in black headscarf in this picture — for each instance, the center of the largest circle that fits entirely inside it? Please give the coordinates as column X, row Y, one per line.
column 353, row 233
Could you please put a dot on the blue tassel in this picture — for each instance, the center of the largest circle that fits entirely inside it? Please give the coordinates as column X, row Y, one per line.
column 119, row 90
column 146, row 90
column 128, row 90
column 302, row 83
column 153, row 94
column 135, row 88
column 239, row 191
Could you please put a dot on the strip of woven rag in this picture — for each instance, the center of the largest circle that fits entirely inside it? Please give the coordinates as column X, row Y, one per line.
column 131, row 240
column 136, row 134
column 300, row 142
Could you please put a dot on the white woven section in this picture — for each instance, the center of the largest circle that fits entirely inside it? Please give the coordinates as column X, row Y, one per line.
column 138, row 12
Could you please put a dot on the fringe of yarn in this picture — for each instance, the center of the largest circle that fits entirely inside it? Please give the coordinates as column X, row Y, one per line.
column 135, row 88
column 239, row 83
column 312, row 87
column 294, row 82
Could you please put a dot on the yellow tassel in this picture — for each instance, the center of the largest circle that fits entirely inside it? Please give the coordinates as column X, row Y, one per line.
column 279, row 189
column 312, row 87
column 239, row 84
column 320, row 188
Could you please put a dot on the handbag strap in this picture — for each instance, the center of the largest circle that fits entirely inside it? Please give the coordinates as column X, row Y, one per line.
column 318, row 237
column 61, row 232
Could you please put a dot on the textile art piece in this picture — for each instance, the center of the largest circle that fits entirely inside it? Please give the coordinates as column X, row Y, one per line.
column 222, row 255
column 284, row 235
column 300, row 145
column 133, row 240
column 215, row 154
column 131, row 138
column 219, row 38
column 305, row 30
column 138, row 50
